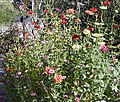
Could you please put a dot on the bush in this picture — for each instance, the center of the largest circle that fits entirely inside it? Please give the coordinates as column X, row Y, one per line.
column 71, row 59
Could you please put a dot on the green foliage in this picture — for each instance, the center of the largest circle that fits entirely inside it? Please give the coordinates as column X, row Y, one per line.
column 67, row 48
column 6, row 12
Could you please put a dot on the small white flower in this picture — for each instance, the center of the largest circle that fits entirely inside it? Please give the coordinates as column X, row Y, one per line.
column 26, row 71
column 19, row 73
column 76, row 47
column 96, row 23
column 86, row 31
column 101, row 43
column 116, row 11
column 97, row 35
column 103, row 7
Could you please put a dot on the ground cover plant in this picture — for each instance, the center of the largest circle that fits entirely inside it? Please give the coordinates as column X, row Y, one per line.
column 70, row 59
column 6, row 12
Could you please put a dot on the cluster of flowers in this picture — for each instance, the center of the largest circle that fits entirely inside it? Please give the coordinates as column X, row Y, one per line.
column 57, row 78
column 74, row 39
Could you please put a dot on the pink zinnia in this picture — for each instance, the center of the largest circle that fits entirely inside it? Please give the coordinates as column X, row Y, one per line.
column 93, row 10
column 33, row 94
column 65, row 96
column 103, row 48
column 89, row 12
column 77, row 99
column 46, row 11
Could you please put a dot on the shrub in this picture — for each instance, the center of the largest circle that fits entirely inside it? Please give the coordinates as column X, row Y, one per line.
column 71, row 60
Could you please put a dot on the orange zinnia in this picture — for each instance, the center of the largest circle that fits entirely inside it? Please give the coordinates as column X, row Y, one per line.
column 58, row 78
column 70, row 11
column 8, row 69
column 49, row 70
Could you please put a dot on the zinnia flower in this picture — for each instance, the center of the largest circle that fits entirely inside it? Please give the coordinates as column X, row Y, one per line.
column 40, row 64
column 70, row 11
column 49, row 70
column 89, row 12
column 77, row 99
column 93, row 10
column 37, row 26
column 106, row 3
column 8, row 69
column 32, row 23
column 86, row 31
column 77, row 20
column 115, row 26
column 103, row 48
column 63, row 21
column 58, row 78
column 97, row 35
column 62, row 16
column 19, row 73
column 29, row 12
column 76, row 47
column 33, row 94
column 57, row 9
column 103, row 7
column 65, row 96
column 46, row 11
column 88, row 46
column 91, row 29
column 75, row 37
column 25, row 33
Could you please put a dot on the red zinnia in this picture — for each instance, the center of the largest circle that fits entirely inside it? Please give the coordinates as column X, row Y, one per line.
column 36, row 26
column 91, row 29
column 32, row 23
column 93, row 10
column 75, row 37
column 25, row 33
column 63, row 21
column 115, row 26
column 106, row 3
column 29, row 12
column 62, row 16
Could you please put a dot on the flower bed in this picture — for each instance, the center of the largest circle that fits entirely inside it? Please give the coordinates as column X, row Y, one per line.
column 71, row 60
